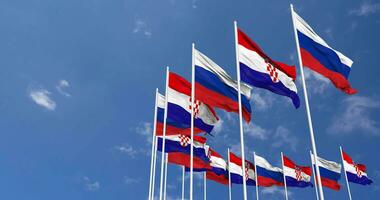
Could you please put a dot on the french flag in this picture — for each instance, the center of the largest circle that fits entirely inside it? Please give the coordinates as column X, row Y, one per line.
column 217, row 89
column 181, row 143
column 295, row 175
column 267, row 175
column 356, row 173
column 329, row 171
column 259, row 70
column 317, row 55
column 179, row 106
column 235, row 169
column 172, row 127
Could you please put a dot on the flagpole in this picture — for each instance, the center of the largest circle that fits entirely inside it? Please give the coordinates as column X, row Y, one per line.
column 154, row 167
column 183, row 182
column 345, row 173
column 153, row 145
column 315, row 177
column 166, row 174
column 256, row 176
column 283, row 173
column 192, row 120
column 240, row 111
column 164, row 134
column 229, row 176
column 314, row 148
column 204, row 186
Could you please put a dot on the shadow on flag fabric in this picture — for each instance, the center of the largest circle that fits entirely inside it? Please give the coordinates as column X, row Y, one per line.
column 179, row 106
column 267, row 175
column 216, row 88
column 259, row 70
column 317, row 55
column 236, row 171
column 295, row 175
column 329, row 171
column 173, row 127
column 181, row 143
column 356, row 173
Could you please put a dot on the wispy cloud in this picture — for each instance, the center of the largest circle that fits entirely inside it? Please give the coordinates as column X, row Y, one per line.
column 366, row 8
column 145, row 129
column 130, row 180
column 356, row 116
column 256, row 131
column 218, row 127
column 127, row 149
column 141, row 27
column 271, row 191
column 62, row 85
column 283, row 137
column 41, row 97
column 262, row 100
column 316, row 83
column 91, row 185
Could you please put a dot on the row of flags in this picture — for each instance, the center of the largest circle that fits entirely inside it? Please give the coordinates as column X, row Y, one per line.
column 220, row 170
column 189, row 108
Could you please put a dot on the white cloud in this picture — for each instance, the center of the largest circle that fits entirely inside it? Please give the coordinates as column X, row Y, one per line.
column 283, row 137
column 356, row 116
column 127, row 149
column 41, row 97
column 366, row 8
column 315, row 82
column 62, row 84
column 91, row 185
column 129, row 180
column 218, row 127
column 256, row 131
column 145, row 129
column 141, row 27
column 261, row 100
column 274, row 191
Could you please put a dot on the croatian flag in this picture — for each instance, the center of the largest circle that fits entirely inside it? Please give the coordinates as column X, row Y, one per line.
column 181, row 143
column 356, row 173
column 267, row 175
column 329, row 171
column 218, row 164
column 217, row 89
column 295, row 175
column 317, row 55
column 172, row 127
column 179, row 108
column 259, row 70
column 236, row 171
column 183, row 159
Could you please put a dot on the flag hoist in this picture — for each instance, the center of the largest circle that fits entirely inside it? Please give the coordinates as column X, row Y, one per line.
column 240, row 111
column 314, row 148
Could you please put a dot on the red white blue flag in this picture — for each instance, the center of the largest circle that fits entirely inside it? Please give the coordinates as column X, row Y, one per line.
column 356, row 173
column 295, row 175
column 236, row 171
column 329, row 171
column 267, row 175
column 259, row 70
column 216, row 88
column 317, row 55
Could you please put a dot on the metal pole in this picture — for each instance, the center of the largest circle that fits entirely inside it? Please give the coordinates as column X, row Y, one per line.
column 164, row 134
column 153, row 145
column 345, row 174
column 240, row 112
column 192, row 121
column 315, row 177
column 166, row 174
column 183, row 182
column 204, row 186
column 283, row 173
column 229, row 176
column 154, row 167
column 314, row 148
column 256, row 176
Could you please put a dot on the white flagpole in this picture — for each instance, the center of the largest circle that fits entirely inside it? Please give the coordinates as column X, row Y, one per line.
column 204, row 186
column 192, row 120
column 183, row 182
column 256, row 177
column 229, row 176
column 153, row 145
column 283, row 173
column 345, row 173
column 166, row 174
column 315, row 177
column 164, row 134
column 314, row 148
column 154, row 166
column 240, row 112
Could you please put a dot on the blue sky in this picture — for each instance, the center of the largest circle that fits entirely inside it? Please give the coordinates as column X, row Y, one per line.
column 78, row 77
